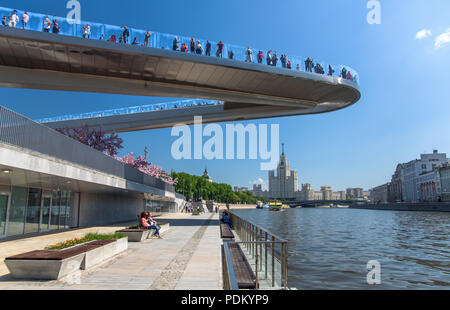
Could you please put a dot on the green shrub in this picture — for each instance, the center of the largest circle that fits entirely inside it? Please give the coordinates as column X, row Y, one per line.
column 87, row 238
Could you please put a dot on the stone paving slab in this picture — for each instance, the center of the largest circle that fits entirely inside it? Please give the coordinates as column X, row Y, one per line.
column 188, row 257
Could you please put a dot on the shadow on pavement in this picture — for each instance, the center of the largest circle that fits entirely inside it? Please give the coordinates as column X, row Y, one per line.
column 191, row 222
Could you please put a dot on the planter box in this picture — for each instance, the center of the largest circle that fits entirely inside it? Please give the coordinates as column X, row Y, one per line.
column 99, row 255
column 40, row 265
column 44, row 269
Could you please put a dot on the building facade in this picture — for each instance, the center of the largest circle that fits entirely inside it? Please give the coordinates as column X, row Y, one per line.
column 412, row 173
column 50, row 182
column 380, row 194
column 283, row 183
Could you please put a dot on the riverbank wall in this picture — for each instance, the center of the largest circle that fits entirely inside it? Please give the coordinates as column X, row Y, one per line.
column 423, row 207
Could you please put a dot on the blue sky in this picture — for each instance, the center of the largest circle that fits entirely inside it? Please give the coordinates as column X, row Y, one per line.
column 404, row 81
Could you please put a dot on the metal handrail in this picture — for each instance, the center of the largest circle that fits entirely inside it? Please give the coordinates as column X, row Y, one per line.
column 258, row 242
column 229, row 274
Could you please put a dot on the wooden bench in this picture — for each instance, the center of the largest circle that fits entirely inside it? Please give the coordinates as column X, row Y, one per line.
column 245, row 276
column 225, row 232
column 56, row 264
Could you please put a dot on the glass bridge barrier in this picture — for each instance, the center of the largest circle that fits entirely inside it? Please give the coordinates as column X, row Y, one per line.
column 182, row 104
column 166, row 41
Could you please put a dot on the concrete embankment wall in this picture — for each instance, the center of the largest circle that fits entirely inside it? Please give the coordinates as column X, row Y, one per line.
column 223, row 206
column 438, row 207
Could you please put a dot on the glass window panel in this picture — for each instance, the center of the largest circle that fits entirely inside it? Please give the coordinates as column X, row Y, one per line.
column 46, row 214
column 3, row 207
column 33, row 210
column 62, row 210
column 68, row 209
column 54, row 213
column 16, row 219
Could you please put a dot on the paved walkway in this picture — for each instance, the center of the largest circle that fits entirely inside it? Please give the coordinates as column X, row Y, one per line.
column 188, row 257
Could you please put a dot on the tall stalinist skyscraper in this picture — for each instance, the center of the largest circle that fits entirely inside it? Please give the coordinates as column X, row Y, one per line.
column 285, row 183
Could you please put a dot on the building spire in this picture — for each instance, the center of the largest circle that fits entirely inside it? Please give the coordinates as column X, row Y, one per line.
column 282, row 144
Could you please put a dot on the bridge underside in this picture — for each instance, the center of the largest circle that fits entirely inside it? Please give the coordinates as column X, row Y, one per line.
column 37, row 60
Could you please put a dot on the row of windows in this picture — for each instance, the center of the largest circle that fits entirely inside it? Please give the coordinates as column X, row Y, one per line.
column 31, row 210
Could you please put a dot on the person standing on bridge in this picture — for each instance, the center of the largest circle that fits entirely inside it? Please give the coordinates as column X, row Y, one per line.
column 13, row 19
column 249, row 55
column 147, row 36
column 330, row 70
column 192, row 44
column 25, row 20
column 87, row 31
column 260, row 57
column 126, row 34
column 269, row 58
column 47, row 24
column 56, row 27
column 175, row 44
column 230, row 54
column 208, row 48
column 274, row 59
column 220, row 46
column 199, row 48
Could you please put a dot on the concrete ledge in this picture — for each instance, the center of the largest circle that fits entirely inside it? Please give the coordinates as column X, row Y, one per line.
column 34, row 269
column 135, row 235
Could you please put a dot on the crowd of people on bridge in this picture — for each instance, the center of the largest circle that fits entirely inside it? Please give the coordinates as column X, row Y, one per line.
column 193, row 46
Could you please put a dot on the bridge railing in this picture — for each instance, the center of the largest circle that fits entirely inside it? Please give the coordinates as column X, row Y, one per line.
column 165, row 41
column 133, row 110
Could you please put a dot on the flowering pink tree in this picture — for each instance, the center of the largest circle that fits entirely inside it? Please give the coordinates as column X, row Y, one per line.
column 146, row 167
column 95, row 138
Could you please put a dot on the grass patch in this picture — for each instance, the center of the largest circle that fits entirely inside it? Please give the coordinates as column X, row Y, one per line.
column 87, row 238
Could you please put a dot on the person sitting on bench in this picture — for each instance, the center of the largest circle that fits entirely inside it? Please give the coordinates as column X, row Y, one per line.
column 146, row 225
column 226, row 220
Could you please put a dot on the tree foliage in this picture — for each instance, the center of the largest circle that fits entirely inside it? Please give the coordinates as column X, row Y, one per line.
column 193, row 187
column 95, row 138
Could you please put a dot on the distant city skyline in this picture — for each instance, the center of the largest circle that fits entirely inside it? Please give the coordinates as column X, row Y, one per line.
column 356, row 147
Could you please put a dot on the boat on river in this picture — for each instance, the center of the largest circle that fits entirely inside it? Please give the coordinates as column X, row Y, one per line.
column 277, row 206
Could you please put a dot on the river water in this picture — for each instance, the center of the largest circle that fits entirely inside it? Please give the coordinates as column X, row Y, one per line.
column 330, row 248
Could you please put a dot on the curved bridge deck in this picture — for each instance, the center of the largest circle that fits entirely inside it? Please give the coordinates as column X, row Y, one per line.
column 38, row 60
